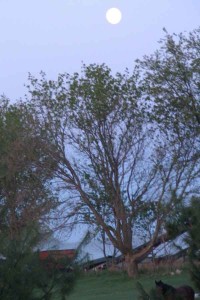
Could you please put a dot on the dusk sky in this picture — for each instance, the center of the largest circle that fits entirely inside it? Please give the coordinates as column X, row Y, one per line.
column 57, row 35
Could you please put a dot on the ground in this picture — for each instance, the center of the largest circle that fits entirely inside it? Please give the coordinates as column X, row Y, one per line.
column 106, row 286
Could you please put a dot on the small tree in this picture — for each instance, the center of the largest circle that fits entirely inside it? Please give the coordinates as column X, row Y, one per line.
column 187, row 220
column 23, row 276
column 192, row 214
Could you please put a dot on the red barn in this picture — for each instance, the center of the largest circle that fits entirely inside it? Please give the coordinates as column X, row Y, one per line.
column 57, row 254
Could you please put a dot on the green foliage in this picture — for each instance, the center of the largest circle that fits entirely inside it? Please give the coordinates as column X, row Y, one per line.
column 193, row 240
column 55, row 278
column 17, row 266
column 24, row 276
column 188, row 220
column 171, row 83
column 180, row 223
column 25, row 185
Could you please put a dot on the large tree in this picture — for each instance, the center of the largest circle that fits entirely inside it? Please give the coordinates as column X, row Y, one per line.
column 118, row 171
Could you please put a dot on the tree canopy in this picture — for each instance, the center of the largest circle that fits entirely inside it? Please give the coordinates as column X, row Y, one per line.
column 170, row 82
column 26, row 194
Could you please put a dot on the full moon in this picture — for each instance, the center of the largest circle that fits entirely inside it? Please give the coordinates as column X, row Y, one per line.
column 113, row 15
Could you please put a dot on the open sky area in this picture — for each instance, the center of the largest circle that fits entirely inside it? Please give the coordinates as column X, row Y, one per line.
column 55, row 36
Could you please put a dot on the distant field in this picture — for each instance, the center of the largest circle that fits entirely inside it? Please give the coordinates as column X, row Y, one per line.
column 106, row 286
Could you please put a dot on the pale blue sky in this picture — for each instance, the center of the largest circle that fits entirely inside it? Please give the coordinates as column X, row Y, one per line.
column 56, row 35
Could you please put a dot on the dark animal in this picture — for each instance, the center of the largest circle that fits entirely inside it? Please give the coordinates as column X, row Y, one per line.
column 169, row 292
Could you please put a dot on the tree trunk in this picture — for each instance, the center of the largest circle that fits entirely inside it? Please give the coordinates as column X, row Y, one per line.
column 131, row 266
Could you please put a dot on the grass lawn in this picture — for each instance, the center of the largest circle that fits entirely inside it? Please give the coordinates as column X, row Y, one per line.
column 107, row 286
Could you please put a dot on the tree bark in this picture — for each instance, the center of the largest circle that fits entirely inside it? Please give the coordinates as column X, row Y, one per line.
column 131, row 266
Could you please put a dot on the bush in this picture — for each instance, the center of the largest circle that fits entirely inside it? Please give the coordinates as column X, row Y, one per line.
column 24, row 276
